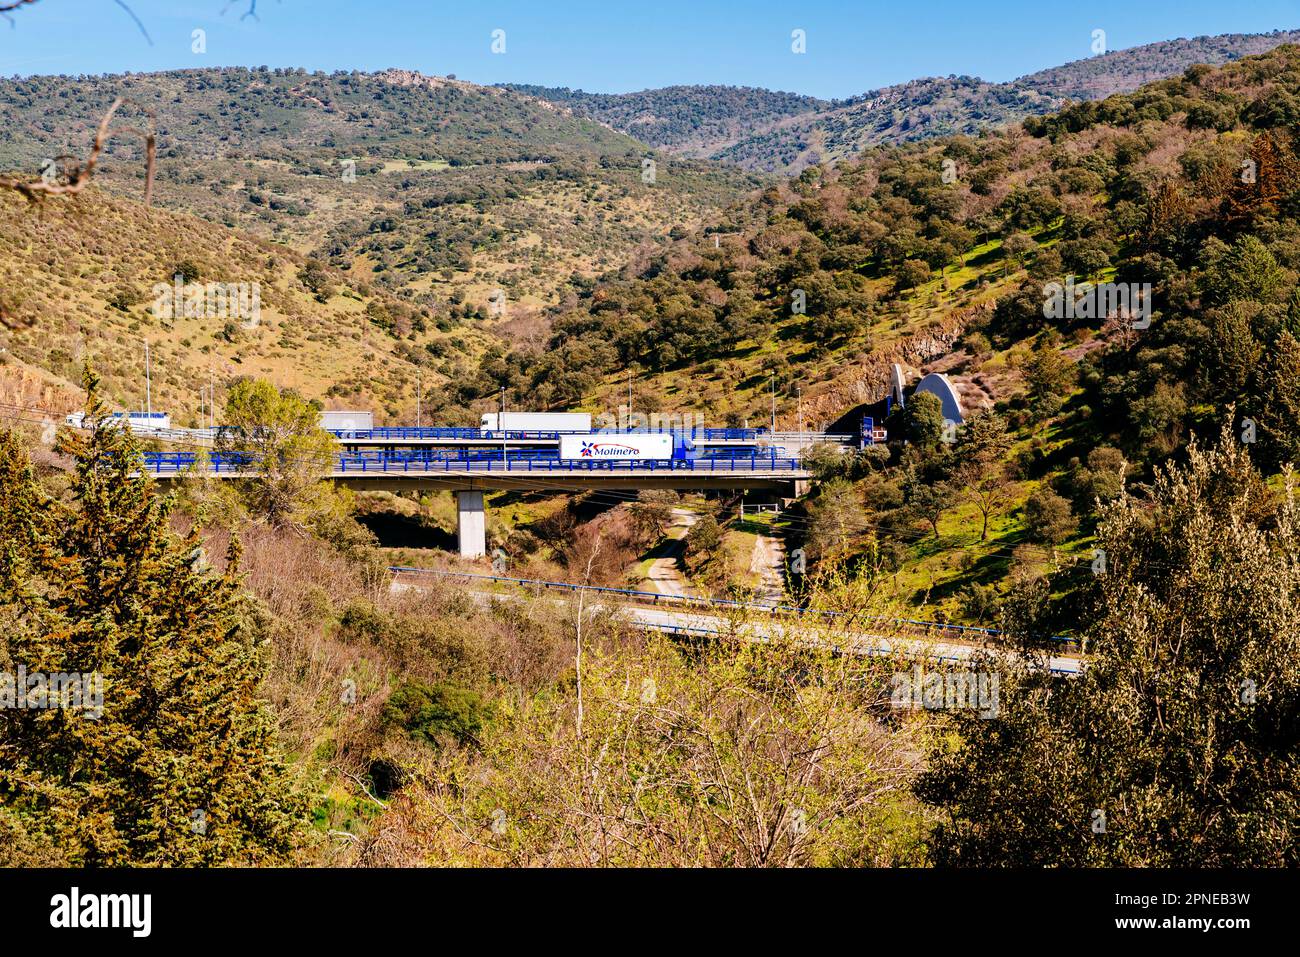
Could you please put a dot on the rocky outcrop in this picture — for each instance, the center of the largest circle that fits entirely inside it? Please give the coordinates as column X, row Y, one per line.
column 869, row 380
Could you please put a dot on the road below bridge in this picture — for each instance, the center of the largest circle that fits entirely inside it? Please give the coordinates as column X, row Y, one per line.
column 755, row 622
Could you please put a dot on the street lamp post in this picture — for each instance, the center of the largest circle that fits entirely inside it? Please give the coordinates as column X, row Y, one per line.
column 774, row 402
column 148, row 384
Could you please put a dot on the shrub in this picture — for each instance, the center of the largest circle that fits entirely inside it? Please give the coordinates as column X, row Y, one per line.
column 436, row 713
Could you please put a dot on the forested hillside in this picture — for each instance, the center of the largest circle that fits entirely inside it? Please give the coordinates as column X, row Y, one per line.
column 80, row 280
column 696, row 121
column 389, row 219
column 1121, row 71
column 759, row 130
column 295, row 672
column 940, row 106
column 940, row 256
column 427, row 185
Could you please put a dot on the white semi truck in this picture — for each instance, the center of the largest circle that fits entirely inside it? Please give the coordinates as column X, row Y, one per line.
column 341, row 420
column 137, row 421
column 537, row 422
column 600, row 446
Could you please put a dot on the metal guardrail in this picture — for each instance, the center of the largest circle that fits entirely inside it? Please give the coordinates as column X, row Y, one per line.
column 691, row 630
column 390, row 433
column 747, row 464
column 219, row 462
column 496, row 435
column 176, row 435
column 366, row 463
column 809, row 437
column 656, row 597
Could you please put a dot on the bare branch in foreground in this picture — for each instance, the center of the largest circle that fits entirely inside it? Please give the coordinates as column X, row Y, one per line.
column 6, row 8
column 131, row 13
column 74, row 180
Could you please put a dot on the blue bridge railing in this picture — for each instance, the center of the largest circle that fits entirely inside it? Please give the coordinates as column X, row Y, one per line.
column 424, row 461
column 401, row 433
column 219, row 462
column 749, row 463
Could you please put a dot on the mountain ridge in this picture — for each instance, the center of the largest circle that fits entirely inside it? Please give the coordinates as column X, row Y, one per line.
column 790, row 132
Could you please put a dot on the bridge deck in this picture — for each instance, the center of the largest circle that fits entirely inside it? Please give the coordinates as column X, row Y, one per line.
column 760, row 472
column 565, row 479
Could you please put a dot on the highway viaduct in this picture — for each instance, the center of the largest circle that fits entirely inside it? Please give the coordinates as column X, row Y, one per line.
column 469, row 479
column 471, row 516
column 470, row 462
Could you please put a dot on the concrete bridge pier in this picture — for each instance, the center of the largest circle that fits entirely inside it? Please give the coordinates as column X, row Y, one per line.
column 471, row 524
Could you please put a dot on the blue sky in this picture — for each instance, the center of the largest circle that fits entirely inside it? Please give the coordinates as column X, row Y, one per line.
column 616, row 45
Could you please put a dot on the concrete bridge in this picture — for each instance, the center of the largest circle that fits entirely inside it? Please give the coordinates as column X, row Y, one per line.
column 470, row 474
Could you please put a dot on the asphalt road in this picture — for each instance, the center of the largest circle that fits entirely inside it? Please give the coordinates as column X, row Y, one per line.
column 768, row 627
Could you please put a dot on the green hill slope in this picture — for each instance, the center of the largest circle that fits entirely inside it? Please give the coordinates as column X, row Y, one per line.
column 940, row 106
column 697, row 121
column 763, row 130
column 77, row 282
column 940, row 256
column 426, row 185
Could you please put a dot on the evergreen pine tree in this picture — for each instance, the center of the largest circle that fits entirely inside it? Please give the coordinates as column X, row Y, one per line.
column 1279, row 403
column 180, row 768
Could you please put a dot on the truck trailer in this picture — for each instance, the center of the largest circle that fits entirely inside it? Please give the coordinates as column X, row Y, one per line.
column 603, row 446
column 136, row 421
column 537, row 422
column 338, row 420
